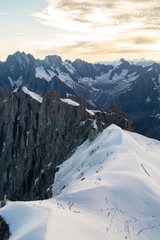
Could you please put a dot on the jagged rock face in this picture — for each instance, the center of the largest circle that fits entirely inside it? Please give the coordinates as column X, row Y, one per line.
column 143, row 97
column 24, row 67
column 116, row 116
column 36, row 137
column 4, row 230
column 135, row 89
column 84, row 69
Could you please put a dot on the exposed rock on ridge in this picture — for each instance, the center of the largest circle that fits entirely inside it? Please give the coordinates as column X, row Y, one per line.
column 4, row 230
column 134, row 88
column 36, row 137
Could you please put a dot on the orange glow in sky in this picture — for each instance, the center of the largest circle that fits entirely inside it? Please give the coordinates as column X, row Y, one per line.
column 91, row 30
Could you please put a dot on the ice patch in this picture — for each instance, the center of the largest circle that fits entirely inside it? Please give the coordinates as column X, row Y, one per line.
column 27, row 135
column 42, row 74
column 18, row 82
column 95, row 124
column 117, row 77
column 69, row 67
column 157, row 116
column 70, row 102
column 4, row 144
column 96, row 111
column 32, row 94
column 90, row 112
column 51, row 73
column 15, row 90
column 148, row 99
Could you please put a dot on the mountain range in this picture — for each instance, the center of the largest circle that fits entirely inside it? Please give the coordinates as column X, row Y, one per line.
column 133, row 86
column 68, row 148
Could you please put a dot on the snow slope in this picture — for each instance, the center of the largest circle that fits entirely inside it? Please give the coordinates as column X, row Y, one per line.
column 70, row 102
column 32, row 94
column 108, row 189
column 41, row 73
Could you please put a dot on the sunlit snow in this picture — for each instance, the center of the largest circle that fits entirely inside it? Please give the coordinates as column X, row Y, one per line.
column 42, row 74
column 108, row 189
column 70, row 102
column 90, row 111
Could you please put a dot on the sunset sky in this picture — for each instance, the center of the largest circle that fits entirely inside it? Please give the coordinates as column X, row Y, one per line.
column 91, row 30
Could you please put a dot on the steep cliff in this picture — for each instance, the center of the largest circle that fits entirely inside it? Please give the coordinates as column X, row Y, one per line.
column 37, row 134
column 4, row 230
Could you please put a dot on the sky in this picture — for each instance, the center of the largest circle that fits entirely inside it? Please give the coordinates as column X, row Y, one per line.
column 101, row 30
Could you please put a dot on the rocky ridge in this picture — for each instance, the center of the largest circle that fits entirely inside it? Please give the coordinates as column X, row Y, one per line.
column 4, row 230
column 39, row 133
column 134, row 88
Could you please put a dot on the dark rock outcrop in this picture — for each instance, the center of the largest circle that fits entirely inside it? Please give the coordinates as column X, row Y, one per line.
column 116, row 116
column 34, row 139
column 4, row 230
column 37, row 137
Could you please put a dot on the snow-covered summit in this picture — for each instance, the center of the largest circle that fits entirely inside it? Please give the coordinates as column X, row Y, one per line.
column 23, row 58
column 140, row 62
column 143, row 62
column 108, row 189
column 114, row 63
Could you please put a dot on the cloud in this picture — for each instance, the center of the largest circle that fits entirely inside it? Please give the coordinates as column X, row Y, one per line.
column 106, row 49
column 108, row 27
column 18, row 34
column 144, row 40
column 85, row 14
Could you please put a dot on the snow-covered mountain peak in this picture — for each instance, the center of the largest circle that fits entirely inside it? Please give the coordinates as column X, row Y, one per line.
column 142, row 62
column 22, row 57
column 53, row 60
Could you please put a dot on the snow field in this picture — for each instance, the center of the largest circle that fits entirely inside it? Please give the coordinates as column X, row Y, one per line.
column 108, row 189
